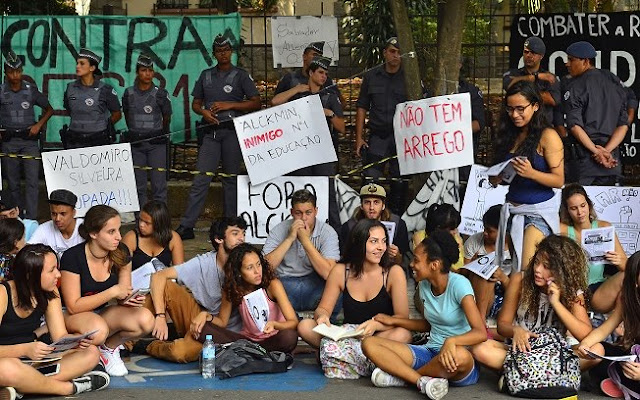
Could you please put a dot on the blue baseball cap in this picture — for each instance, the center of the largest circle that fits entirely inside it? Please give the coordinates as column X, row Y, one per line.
column 581, row 50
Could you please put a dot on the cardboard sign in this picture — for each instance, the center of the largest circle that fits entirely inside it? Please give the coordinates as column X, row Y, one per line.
column 478, row 198
column 96, row 175
column 291, row 35
column 285, row 138
column 266, row 205
column 434, row 134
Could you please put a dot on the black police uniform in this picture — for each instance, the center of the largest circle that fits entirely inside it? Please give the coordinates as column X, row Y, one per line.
column 90, row 109
column 17, row 115
column 541, row 84
column 218, row 141
column 144, row 112
column 596, row 101
column 380, row 92
column 295, row 78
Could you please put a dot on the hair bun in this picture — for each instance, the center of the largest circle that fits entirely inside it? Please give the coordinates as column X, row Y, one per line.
column 448, row 245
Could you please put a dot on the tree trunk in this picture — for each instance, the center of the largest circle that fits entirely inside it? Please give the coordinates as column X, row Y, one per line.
column 405, row 37
column 451, row 15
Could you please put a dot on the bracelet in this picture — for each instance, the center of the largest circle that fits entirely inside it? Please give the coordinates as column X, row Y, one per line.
column 161, row 314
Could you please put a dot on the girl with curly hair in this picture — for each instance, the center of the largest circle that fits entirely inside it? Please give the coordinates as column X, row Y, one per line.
column 549, row 293
column 536, row 153
column 577, row 213
column 627, row 310
column 246, row 271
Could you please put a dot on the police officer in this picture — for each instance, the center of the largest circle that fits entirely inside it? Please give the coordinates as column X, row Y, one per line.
column 147, row 110
column 220, row 94
column 92, row 105
column 332, row 107
column 20, row 132
column 596, row 117
column 381, row 90
column 477, row 116
column 546, row 82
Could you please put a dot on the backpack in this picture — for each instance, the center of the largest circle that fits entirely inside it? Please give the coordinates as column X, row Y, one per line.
column 549, row 371
column 244, row 357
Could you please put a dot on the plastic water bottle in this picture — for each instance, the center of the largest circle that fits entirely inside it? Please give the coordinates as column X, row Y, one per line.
column 208, row 364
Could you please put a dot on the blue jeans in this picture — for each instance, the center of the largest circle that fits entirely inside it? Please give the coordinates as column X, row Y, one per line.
column 305, row 292
column 423, row 354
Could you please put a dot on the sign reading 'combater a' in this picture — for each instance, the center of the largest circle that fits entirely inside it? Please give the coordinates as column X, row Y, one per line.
column 434, row 134
column 282, row 139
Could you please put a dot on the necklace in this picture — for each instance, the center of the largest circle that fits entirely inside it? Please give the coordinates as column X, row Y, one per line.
column 103, row 259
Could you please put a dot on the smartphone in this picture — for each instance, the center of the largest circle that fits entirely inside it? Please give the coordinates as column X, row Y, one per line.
column 51, row 369
column 137, row 292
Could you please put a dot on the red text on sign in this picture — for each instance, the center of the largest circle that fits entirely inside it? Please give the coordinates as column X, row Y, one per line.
column 434, row 144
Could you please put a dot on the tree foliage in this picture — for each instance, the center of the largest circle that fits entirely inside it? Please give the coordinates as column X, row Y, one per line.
column 37, row 7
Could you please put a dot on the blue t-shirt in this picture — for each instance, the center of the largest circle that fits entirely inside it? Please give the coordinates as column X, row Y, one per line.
column 444, row 312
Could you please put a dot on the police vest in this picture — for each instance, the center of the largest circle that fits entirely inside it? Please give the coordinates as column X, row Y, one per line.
column 223, row 116
column 144, row 113
column 16, row 108
column 87, row 114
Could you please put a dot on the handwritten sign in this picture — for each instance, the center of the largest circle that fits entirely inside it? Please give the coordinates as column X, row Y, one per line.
column 434, row 134
column 291, row 35
column 97, row 175
column 478, row 198
column 282, row 139
column 266, row 205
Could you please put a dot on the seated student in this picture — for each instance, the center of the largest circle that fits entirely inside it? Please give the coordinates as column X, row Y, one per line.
column 193, row 298
column 577, row 213
column 246, row 271
column 10, row 209
column 478, row 245
column 11, row 241
column 452, row 318
column 626, row 311
column 154, row 238
column 96, row 273
column 24, row 300
column 370, row 284
column 372, row 206
column 62, row 231
column 442, row 216
column 549, row 293
column 303, row 250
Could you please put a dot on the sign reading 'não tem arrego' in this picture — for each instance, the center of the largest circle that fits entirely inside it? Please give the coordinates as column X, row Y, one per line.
column 96, row 175
column 285, row 138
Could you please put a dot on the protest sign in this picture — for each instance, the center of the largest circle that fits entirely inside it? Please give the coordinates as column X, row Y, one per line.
column 96, row 175
column 478, row 198
column 348, row 200
column 266, row 205
column 180, row 48
column 285, row 138
column 434, row 134
column 290, row 36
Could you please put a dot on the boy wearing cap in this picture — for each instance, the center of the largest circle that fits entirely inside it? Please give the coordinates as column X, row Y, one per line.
column 546, row 82
column 147, row 110
column 381, row 90
column 20, row 132
column 61, row 232
column 92, row 105
column 372, row 206
column 220, row 94
column 596, row 116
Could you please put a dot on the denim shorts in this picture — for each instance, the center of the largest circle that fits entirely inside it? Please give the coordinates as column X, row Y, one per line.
column 534, row 220
column 422, row 355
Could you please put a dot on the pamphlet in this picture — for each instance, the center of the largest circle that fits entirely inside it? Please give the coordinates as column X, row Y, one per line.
column 628, row 358
column 335, row 332
column 68, row 343
column 483, row 266
column 258, row 308
column 597, row 242
column 141, row 277
column 391, row 229
column 505, row 168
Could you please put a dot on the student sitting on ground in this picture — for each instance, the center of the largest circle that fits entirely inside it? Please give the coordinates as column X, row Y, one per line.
column 10, row 209
column 549, row 293
column 577, row 213
column 246, row 271
column 96, row 273
column 370, row 285
column 442, row 216
column 627, row 310
column 11, row 241
column 32, row 294
column 452, row 318
column 154, row 238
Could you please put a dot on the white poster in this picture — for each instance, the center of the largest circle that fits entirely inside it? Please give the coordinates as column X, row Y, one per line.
column 434, row 134
column 96, row 175
column 266, row 205
column 478, row 198
column 291, row 35
column 347, row 198
column 281, row 139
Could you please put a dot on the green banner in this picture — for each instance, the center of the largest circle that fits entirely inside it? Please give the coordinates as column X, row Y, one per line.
column 179, row 46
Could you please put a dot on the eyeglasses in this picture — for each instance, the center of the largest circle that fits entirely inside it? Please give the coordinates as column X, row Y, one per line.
column 517, row 109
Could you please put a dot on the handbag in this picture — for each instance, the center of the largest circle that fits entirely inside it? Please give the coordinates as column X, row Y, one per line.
column 344, row 359
column 549, row 371
column 615, row 376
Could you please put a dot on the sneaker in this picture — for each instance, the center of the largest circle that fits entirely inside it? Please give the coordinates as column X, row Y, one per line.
column 185, row 233
column 113, row 364
column 91, row 382
column 379, row 378
column 434, row 388
column 7, row 393
column 502, row 388
column 610, row 388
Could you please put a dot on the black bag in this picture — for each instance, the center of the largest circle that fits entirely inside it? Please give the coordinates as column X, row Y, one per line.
column 244, row 357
